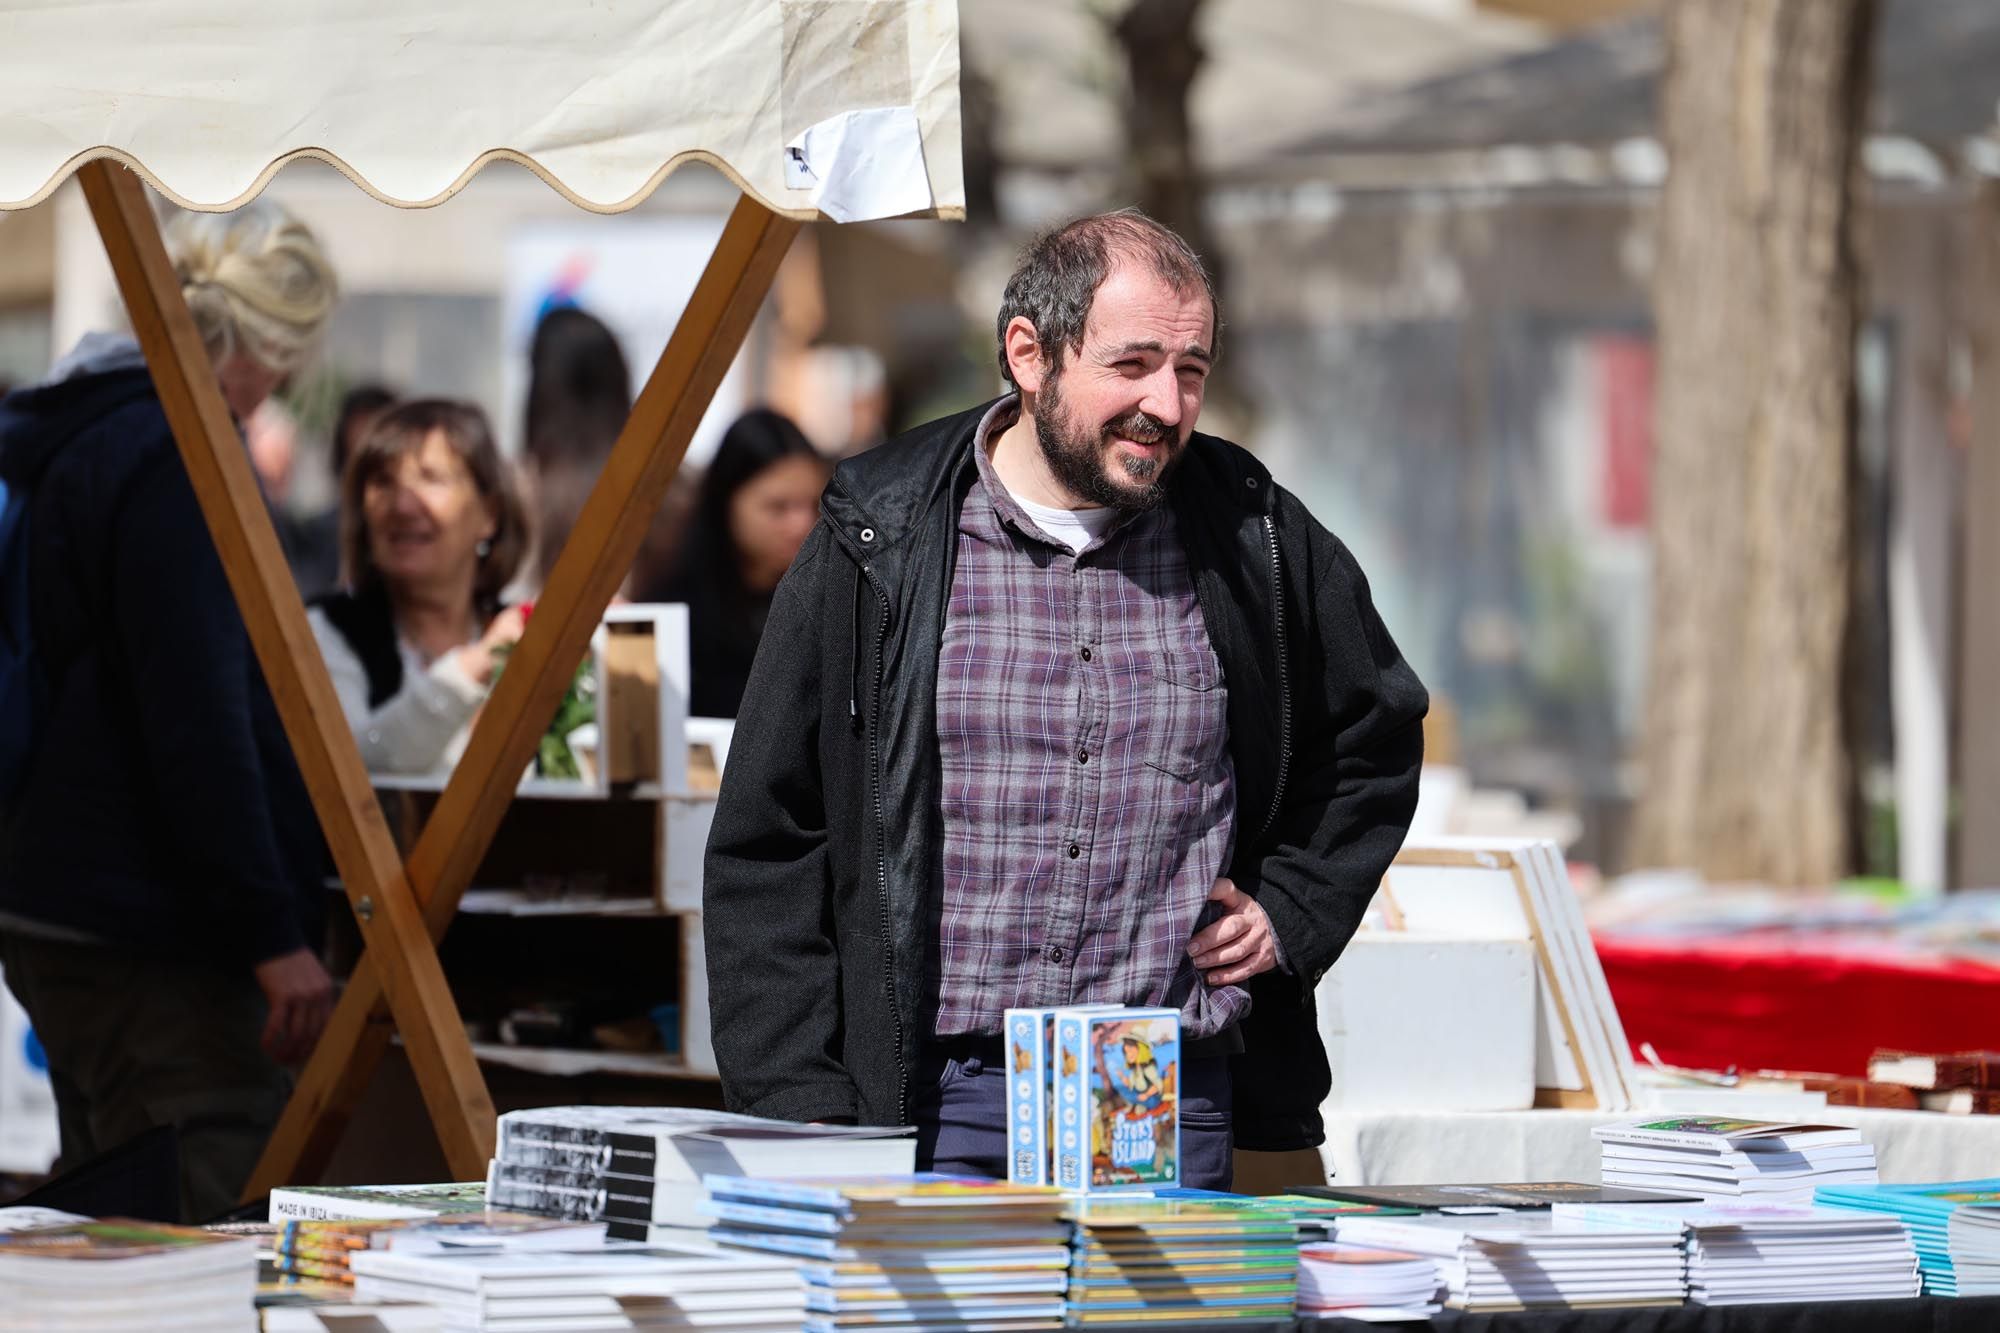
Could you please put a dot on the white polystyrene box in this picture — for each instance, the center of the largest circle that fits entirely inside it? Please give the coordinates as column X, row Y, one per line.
column 1430, row 1023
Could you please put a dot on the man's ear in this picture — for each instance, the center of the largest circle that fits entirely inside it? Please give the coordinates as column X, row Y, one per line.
column 1025, row 354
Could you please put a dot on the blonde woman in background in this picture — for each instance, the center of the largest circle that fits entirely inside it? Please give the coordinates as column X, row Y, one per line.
column 161, row 870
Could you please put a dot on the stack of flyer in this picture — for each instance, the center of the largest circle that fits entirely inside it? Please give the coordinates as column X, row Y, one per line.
column 1738, row 1255
column 1355, row 1282
column 1725, row 1160
column 1955, row 1227
column 933, row 1250
column 1181, row 1260
column 638, row 1287
column 118, row 1274
column 639, row 1168
column 1531, row 1260
column 322, row 1250
column 1093, row 1098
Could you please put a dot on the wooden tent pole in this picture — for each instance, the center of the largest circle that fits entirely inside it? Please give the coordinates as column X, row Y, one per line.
column 219, row 468
column 600, row 550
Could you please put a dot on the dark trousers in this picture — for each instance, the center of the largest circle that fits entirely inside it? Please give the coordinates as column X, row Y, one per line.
column 135, row 1042
column 959, row 1106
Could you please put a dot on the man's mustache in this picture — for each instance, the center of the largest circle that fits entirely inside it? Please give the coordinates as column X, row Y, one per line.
column 1141, row 427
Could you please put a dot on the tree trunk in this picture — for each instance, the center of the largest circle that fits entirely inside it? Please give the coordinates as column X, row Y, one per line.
column 1762, row 113
column 1163, row 55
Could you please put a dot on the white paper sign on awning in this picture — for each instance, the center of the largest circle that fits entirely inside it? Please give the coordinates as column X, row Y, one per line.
column 847, row 104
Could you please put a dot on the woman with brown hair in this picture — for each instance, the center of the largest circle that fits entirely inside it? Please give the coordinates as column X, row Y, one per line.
column 432, row 529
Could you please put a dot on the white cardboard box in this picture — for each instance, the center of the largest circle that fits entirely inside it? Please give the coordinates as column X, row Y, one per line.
column 1430, row 1023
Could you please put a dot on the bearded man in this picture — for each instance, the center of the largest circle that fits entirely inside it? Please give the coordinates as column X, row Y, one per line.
column 1061, row 703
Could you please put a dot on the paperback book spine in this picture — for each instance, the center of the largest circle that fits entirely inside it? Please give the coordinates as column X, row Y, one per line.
column 573, row 1148
column 1030, row 1034
column 1071, row 1084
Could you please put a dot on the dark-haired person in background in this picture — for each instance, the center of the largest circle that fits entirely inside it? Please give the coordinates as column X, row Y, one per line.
column 1063, row 702
column 432, row 530
column 312, row 544
column 579, row 394
column 758, row 499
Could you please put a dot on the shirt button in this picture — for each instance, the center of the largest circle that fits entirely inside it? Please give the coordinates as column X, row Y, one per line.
column 1086, row 654
column 1083, row 756
column 1056, row 954
column 1074, row 851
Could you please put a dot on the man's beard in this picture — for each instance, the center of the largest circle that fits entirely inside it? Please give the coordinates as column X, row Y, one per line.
column 1082, row 463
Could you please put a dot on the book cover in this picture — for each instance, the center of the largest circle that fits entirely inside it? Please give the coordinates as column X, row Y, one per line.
column 1117, row 1085
column 336, row 1202
column 1530, row 1194
column 922, row 1190
column 1715, row 1133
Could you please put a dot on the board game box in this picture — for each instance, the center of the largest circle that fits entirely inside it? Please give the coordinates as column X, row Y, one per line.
column 1116, row 1089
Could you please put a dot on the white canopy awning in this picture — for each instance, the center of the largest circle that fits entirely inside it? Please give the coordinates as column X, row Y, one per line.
column 843, row 107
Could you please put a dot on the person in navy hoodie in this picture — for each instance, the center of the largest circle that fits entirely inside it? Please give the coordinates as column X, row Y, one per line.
column 161, row 868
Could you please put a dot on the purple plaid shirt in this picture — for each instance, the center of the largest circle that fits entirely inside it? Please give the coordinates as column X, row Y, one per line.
column 1089, row 798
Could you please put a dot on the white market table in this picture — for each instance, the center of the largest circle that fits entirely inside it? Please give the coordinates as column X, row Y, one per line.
column 1447, row 1147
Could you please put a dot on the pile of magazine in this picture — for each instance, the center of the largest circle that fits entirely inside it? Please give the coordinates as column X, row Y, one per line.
column 1185, row 1260
column 1530, row 1260
column 1955, row 1227
column 1724, row 1160
column 635, row 1287
column 1355, row 1282
column 930, row 1250
column 123, row 1274
column 639, row 1168
column 1746, row 1255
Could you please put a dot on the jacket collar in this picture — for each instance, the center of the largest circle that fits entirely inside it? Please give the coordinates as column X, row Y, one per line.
column 876, row 500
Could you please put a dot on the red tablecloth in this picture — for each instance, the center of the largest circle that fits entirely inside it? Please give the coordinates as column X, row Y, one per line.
column 1822, row 1004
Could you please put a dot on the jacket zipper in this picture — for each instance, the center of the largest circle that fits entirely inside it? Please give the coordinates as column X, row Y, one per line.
column 881, row 852
column 1284, row 684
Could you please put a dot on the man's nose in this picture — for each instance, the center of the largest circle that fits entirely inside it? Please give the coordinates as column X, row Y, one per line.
column 1162, row 400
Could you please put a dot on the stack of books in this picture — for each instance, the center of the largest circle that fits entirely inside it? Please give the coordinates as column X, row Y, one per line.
column 1958, row 1083
column 1955, row 1227
column 639, row 1287
column 639, row 1168
column 123, row 1274
column 938, row 1251
column 1723, row 1160
column 1530, row 1260
column 1739, row 1255
column 322, row 1250
column 1354, row 1282
column 1180, row 1260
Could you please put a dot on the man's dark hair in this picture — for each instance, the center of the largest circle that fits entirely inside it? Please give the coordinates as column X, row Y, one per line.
column 1060, row 271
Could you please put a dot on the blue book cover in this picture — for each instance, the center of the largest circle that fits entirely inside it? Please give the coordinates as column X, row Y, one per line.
column 1118, row 1099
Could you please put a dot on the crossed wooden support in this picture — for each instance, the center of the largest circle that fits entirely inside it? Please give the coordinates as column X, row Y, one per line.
column 403, row 909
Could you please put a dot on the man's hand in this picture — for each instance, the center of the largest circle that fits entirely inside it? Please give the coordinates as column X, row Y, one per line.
column 1239, row 945
column 300, row 994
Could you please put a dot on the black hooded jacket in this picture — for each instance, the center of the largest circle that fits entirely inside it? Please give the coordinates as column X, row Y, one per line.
column 162, row 811
column 823, row 858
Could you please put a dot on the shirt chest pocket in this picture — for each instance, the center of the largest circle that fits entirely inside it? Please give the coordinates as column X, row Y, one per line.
column 1188, row 714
